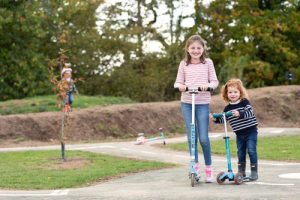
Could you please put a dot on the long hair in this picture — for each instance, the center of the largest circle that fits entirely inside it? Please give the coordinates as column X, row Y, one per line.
column 237, row 83
column 192, row 39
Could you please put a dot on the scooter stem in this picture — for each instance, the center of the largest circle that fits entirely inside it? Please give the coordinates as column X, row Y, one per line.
column 227, row 145
column 225, row 124
column 193, row 108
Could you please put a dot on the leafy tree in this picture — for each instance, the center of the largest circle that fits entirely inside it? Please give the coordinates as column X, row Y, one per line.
column 32, row 32
column 259, row 30
column 22, row 71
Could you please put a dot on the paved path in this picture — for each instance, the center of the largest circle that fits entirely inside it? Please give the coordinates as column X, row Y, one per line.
column 277, row 180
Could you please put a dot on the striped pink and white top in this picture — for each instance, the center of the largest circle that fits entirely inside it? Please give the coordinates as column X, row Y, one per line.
column 194, row 75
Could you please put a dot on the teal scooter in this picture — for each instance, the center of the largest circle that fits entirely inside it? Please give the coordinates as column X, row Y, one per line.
column 222, row 176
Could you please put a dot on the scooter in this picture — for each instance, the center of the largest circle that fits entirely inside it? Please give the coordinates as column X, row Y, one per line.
column 192, row 171
column 142, row 140
column 222, row 176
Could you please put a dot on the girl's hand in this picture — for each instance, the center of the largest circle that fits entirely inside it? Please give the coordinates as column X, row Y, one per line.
column 203, row 87
column 182, row 88
column 235, row 113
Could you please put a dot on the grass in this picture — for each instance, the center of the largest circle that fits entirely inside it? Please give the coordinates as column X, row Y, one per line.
column 285, row 148
column 44, row 169
column 48, row 103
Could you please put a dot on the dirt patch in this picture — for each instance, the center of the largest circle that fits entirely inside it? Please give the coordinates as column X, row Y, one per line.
column 274, row 106
column 59, row 164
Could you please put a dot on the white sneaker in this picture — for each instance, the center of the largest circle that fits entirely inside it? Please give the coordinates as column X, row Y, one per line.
column 208, row 173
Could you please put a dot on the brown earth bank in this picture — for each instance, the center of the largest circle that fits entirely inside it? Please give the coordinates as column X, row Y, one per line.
column 277, row 106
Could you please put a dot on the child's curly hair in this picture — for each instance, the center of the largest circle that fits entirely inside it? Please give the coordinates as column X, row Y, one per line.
column 234, row 83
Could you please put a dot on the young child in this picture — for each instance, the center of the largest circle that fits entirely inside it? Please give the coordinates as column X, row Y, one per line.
column 67, row 87
column 243, row 123
column 197, row 70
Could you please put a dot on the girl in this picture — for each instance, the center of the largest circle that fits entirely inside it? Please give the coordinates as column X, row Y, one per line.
column 243, row 123
column 197, row 70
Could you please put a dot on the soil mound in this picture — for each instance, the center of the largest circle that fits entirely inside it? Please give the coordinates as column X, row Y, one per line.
column 276, row 106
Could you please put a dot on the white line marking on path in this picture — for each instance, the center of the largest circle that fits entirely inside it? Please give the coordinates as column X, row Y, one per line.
column 107, row 146
column 277, row 131
column 125, row 149
column 94, row 147
column 82, row 148
column 182, row 156
column 272, row 184
column 215, row 136
column 54, row 193
column 279, row 164
column 290, row 175
column 64, row 192
column 261, row 163
column 147, row 152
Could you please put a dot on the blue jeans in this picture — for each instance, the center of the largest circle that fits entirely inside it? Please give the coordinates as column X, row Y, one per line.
column 247, row 142
column 69, row 99
column 201, row 123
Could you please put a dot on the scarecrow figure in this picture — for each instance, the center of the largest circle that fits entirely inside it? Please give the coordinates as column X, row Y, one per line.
column 67, row 88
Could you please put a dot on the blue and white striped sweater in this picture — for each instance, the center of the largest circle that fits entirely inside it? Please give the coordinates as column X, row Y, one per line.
column 247, row 120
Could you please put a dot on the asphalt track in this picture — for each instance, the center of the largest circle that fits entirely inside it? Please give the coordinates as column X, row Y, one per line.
column 277, row 180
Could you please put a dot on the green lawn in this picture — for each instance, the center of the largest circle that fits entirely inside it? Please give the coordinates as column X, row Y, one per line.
column 44, row 169
column 48, row 103
column 285, row 148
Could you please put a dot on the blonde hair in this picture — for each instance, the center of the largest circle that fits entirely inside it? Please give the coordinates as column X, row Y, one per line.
column 237, row 83
column 192, row 39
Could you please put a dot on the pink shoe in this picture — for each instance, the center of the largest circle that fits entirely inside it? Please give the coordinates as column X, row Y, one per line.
column 197, row 169
column 208, row 173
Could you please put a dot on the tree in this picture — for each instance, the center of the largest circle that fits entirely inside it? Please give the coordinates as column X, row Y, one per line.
column 259, row 30
column 32, row 32
column 22, row 72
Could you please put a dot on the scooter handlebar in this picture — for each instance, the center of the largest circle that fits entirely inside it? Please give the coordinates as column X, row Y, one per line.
column 219, row 115
column 199, row 89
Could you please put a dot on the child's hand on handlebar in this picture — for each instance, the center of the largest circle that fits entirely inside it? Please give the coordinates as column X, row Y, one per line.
column 235, row 113
column 212, row 117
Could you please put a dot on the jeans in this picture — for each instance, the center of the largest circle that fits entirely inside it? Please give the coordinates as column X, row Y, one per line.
column 201, row 130
column 247, row 142
column 69, row 99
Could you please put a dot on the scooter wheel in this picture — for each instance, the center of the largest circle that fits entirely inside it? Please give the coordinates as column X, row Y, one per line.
column 219, row 179
column 193, row 179
column 238, row 178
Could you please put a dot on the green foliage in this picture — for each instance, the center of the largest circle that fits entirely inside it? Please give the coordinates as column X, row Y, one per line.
column 21, row 29
column 45, row 170
column 32, row 32
column 261, row 31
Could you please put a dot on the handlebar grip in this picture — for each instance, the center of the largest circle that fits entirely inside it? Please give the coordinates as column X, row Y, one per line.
column 219, row 115
column 210, row 89
column 176, row 89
